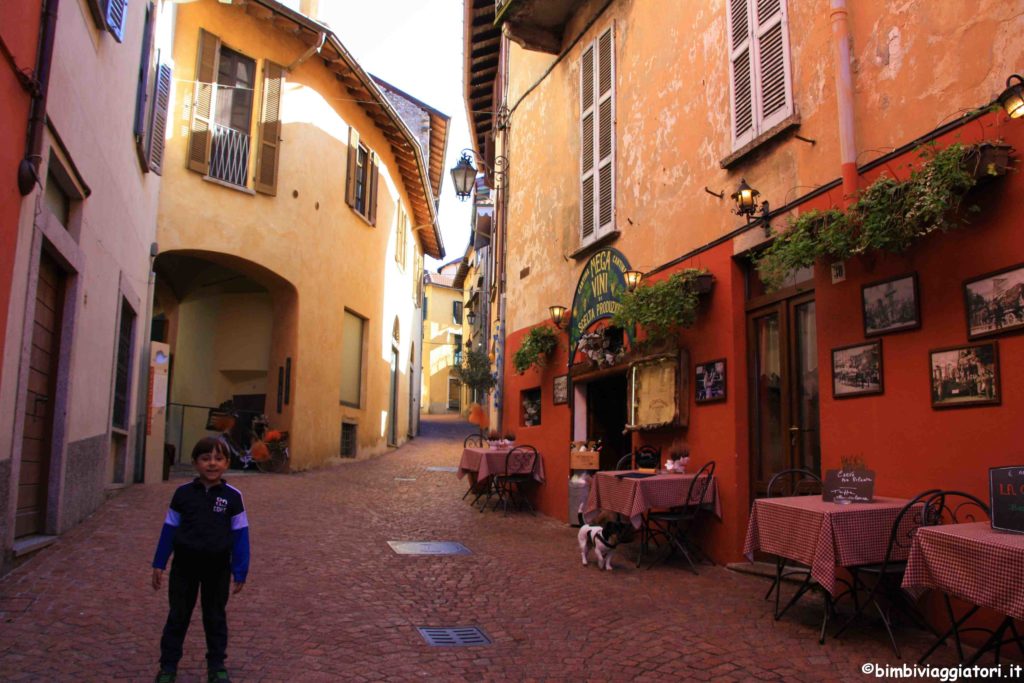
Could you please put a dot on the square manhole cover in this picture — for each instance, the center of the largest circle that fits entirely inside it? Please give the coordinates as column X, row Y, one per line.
column 442, row 469
column 429, row 548
column 453, row 636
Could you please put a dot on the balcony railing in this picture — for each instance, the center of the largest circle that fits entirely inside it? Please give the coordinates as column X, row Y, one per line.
column 229, row 155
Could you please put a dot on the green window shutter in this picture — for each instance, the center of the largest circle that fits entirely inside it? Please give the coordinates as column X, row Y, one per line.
column 353, row 167
column 268, row 151
column 116, row 18
column 158, row 126
column 207, row 65
column 371, row 190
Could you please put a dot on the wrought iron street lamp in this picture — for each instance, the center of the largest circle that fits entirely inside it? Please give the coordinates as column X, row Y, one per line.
column 464, row 173
column 1012, row 99
column 557, row 315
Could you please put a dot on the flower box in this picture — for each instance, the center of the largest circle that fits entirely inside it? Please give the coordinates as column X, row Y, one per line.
column 987, row 160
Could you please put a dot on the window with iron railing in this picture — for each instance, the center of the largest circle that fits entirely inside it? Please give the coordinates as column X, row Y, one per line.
column 229, row 148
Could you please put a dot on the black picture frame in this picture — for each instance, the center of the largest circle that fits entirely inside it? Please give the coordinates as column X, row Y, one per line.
column 560, row 390
column 891, row 305
column 709, row 381
column 857, row 370
column 994, row 303
column 965, row 376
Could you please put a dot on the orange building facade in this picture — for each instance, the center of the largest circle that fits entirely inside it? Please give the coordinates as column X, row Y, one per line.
column 619, row 130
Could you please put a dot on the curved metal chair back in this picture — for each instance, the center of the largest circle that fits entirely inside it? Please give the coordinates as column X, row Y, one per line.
column 473, row 441
column 700, row 483
column 953, row 507
column 520, row 461
column 801, row 483
column 625, row 462
column 902, row 535
column 648, row 457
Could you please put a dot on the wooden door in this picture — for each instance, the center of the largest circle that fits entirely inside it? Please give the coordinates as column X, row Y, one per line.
column 36, row 441
column 784, row 389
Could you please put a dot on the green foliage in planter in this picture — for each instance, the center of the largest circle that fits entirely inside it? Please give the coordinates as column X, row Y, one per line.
column 536, row 347
column 662, row 306
column 475, row 371
column 889, row 215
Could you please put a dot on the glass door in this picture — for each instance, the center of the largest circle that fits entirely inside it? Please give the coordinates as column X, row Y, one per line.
column 784, row 381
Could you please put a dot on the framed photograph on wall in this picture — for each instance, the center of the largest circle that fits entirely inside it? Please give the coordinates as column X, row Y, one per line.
column 965, row 375
column 891, row 305
column 560, row 390
column 857, row 370
column 709, row 381
column 995, row 302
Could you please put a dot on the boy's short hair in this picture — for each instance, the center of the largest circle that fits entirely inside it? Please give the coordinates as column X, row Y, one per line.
column 208, row 444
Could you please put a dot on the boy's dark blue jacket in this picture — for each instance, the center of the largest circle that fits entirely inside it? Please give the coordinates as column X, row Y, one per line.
column 209, row 521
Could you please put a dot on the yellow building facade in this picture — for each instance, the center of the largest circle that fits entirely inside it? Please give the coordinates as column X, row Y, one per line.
column 442, row 341
column 296, row 211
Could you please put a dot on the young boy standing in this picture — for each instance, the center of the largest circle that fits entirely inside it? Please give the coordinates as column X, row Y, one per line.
column 207, row 531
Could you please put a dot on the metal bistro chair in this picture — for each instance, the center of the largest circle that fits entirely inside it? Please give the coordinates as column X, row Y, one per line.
column 678, row 524
column 519, row 464
column 958, row 507
column 888, row 575
column 801, row 483
column 624, row 463
column 473, row 441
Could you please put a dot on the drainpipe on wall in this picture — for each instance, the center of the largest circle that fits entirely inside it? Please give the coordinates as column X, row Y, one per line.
column 844, row 99
column 28, row 168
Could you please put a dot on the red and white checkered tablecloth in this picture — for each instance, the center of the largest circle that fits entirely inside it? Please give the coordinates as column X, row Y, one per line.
column 973, row 562
column 486, row 462
column 634, row 497
column 824, row 535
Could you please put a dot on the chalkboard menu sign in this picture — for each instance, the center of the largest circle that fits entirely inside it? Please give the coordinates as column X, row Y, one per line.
column 848, row 486
column 1006, row 498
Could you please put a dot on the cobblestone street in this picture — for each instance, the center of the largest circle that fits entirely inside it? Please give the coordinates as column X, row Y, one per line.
column 329, row 600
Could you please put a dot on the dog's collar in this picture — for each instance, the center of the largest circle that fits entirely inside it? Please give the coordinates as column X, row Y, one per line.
column 600, row 537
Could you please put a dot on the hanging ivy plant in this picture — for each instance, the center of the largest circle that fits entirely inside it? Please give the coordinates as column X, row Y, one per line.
column 475, row 371
column 662, row 307
column 889, row 215
column 537, row 345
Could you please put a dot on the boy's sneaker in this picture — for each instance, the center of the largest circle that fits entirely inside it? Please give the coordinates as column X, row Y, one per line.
column 167, row 677
column 218, row 676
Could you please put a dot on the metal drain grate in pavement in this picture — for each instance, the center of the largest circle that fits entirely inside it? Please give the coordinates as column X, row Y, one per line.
column 453, row 637
column 405, row 478
column 429, row 548
column 442, row 469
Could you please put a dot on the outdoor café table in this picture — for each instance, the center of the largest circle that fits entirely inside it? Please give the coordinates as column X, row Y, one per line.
column 633, row 498
column 483, row 463
column 824, row 536
column 975, row 563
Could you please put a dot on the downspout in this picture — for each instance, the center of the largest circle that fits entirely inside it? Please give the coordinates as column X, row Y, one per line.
column 844, row 99
column 28, row 168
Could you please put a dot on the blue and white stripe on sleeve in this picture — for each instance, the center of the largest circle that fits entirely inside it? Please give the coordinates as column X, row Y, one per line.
column 165, row 545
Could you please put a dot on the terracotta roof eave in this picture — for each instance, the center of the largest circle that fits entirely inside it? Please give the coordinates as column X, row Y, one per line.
column 426, row 208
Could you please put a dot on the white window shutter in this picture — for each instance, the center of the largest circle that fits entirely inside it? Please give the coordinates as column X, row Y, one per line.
column 741, row 73
column 605, row 133
column 117, row 16
column 587, row 122
column 774, row 81
column 158, row 125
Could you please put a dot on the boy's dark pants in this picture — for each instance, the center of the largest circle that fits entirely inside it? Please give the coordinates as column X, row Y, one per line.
column 190, row 573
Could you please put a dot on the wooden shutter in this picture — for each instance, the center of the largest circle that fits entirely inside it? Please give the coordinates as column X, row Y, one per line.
column 742, row 72
column 587, row 145
column 605, row 134
column 353, row 167
column 142, row 92
column 207, row 66
column 774, row 88
column 158, row 125
column 371, row 189
column 117, row 15
column 597, row 137
column 270, row 129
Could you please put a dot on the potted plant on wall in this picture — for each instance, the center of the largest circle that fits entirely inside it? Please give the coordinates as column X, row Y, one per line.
column 664, row 306
column 538, row 344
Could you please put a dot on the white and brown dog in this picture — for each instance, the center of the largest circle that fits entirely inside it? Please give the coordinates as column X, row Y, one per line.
column 603, row 537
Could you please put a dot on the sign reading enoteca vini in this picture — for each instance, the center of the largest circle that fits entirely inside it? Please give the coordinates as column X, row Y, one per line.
column 598, row 291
